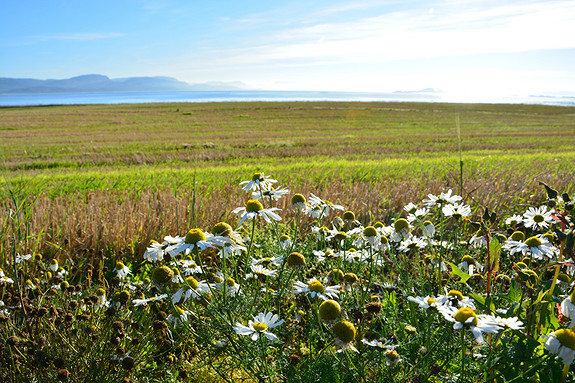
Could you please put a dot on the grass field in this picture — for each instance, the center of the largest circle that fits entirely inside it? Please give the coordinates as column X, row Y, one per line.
column 372, row 157
column 472, row 284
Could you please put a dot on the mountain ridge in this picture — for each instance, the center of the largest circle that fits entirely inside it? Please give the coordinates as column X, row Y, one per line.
column 92, row 83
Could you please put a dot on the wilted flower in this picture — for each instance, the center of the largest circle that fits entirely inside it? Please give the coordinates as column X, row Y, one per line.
column 122, row 270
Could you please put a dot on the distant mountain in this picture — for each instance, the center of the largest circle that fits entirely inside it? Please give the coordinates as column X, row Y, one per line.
column 102, row 84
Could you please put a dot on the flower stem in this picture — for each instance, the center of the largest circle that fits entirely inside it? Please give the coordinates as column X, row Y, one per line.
column 565, row 372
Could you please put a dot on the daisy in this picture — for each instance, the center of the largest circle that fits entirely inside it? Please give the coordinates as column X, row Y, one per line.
column 122, row 270
column 259, row 181
column 231, row 248
column 379, row 344
column 514, row 220
column 562, row 344
column 315, row 288
column 456, row 210
column 568, row 308
column 140, row 302
column 54, row 265
column 469, row 265
column 259, row 326
column 189, row 266
column 539, row 247
column 417, row 215
column 253, row 209
column 270, row 194
column 321, row 208
column 154, row 252
column 269, row 261
column 425, row 302
column 230, row 286
column 465, row 317
column 299, row 203
column 194, row 289
column 537, row 218
column 344, row 332
column 442, row 199
column 195, row 238
column 20, row 258
column 370, row 235
column 412, row 243
column 409, row 208
column 511, row 323
column 456, row 299
column 262, row 272
column 179, row 317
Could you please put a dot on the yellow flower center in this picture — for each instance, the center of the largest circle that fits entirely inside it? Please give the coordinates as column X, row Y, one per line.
column 194, row 236
column 284, row 238
column 370, row 231
column 253, row 206
column 392, row 355
column 533, row 242
column 518, row 236
column 297, row 198
column 257, row 177
column 260, row 327
column 230, row 282
column 566, row 337
column 469, row 259
column 222, row 228
column 192, row 282
column 296, row 259
column 316, row 287
column 430, row 301
column 119, row 266
column 538, row 218
column 329, row 310
column 455, row 293
column 349, row 216
column 401, row 224
column 463, row 315
column 345, row 331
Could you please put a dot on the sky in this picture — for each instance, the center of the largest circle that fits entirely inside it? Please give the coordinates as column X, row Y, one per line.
column 463, row 47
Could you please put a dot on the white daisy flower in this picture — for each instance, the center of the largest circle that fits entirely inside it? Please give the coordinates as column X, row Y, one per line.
column 230, row 249
column 195, row 238
column 537, row 218
column 410, row 208
column 315, row 288
column 344, row 332
column 456, row 299
column 122, row 271
column 179, row 317
column 189, row 266
column 268, row 261
column 258, row 181
column 20, row 258
column 465, row 317
column 321, row 208
column 539, row 247
column 562, row 344
column 412, row 243
column 254, row 209
column 154, row 252
column 469, row 265
column 456, row 210
column 514, row 220
column 512, row 323
column 270, row 194
column 194, row 289
column 54, row 265
column 140, row 302
column 568, row 309
column 259, row 326
column 261, row 271
column 230, row 286
column 442, row 199
column 417, row 215
column 425, row 302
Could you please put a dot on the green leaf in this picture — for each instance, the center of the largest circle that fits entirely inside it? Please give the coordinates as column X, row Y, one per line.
column 494, row 251
column 457, row 271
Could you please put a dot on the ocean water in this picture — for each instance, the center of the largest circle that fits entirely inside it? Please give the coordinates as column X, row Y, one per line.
column 255, row 95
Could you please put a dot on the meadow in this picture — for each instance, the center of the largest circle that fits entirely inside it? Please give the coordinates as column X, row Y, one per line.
column 91, row 191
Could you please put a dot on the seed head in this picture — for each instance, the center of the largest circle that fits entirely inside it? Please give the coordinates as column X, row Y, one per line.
column 329, row 310
column 194, row 236
column 344, row 331
column 533, row 242
column 296, row 259
column 349, row 216
column 518, row 236
column 370, row 231
column 162, row 274
column 253, row 206
column 222, row 228
column 401, row 224
column 298, row 198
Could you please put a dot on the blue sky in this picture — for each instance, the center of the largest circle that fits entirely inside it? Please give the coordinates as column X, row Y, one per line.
column 466, row 47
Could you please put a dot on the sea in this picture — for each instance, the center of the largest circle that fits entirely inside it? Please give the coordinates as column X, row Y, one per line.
column 266, row 96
